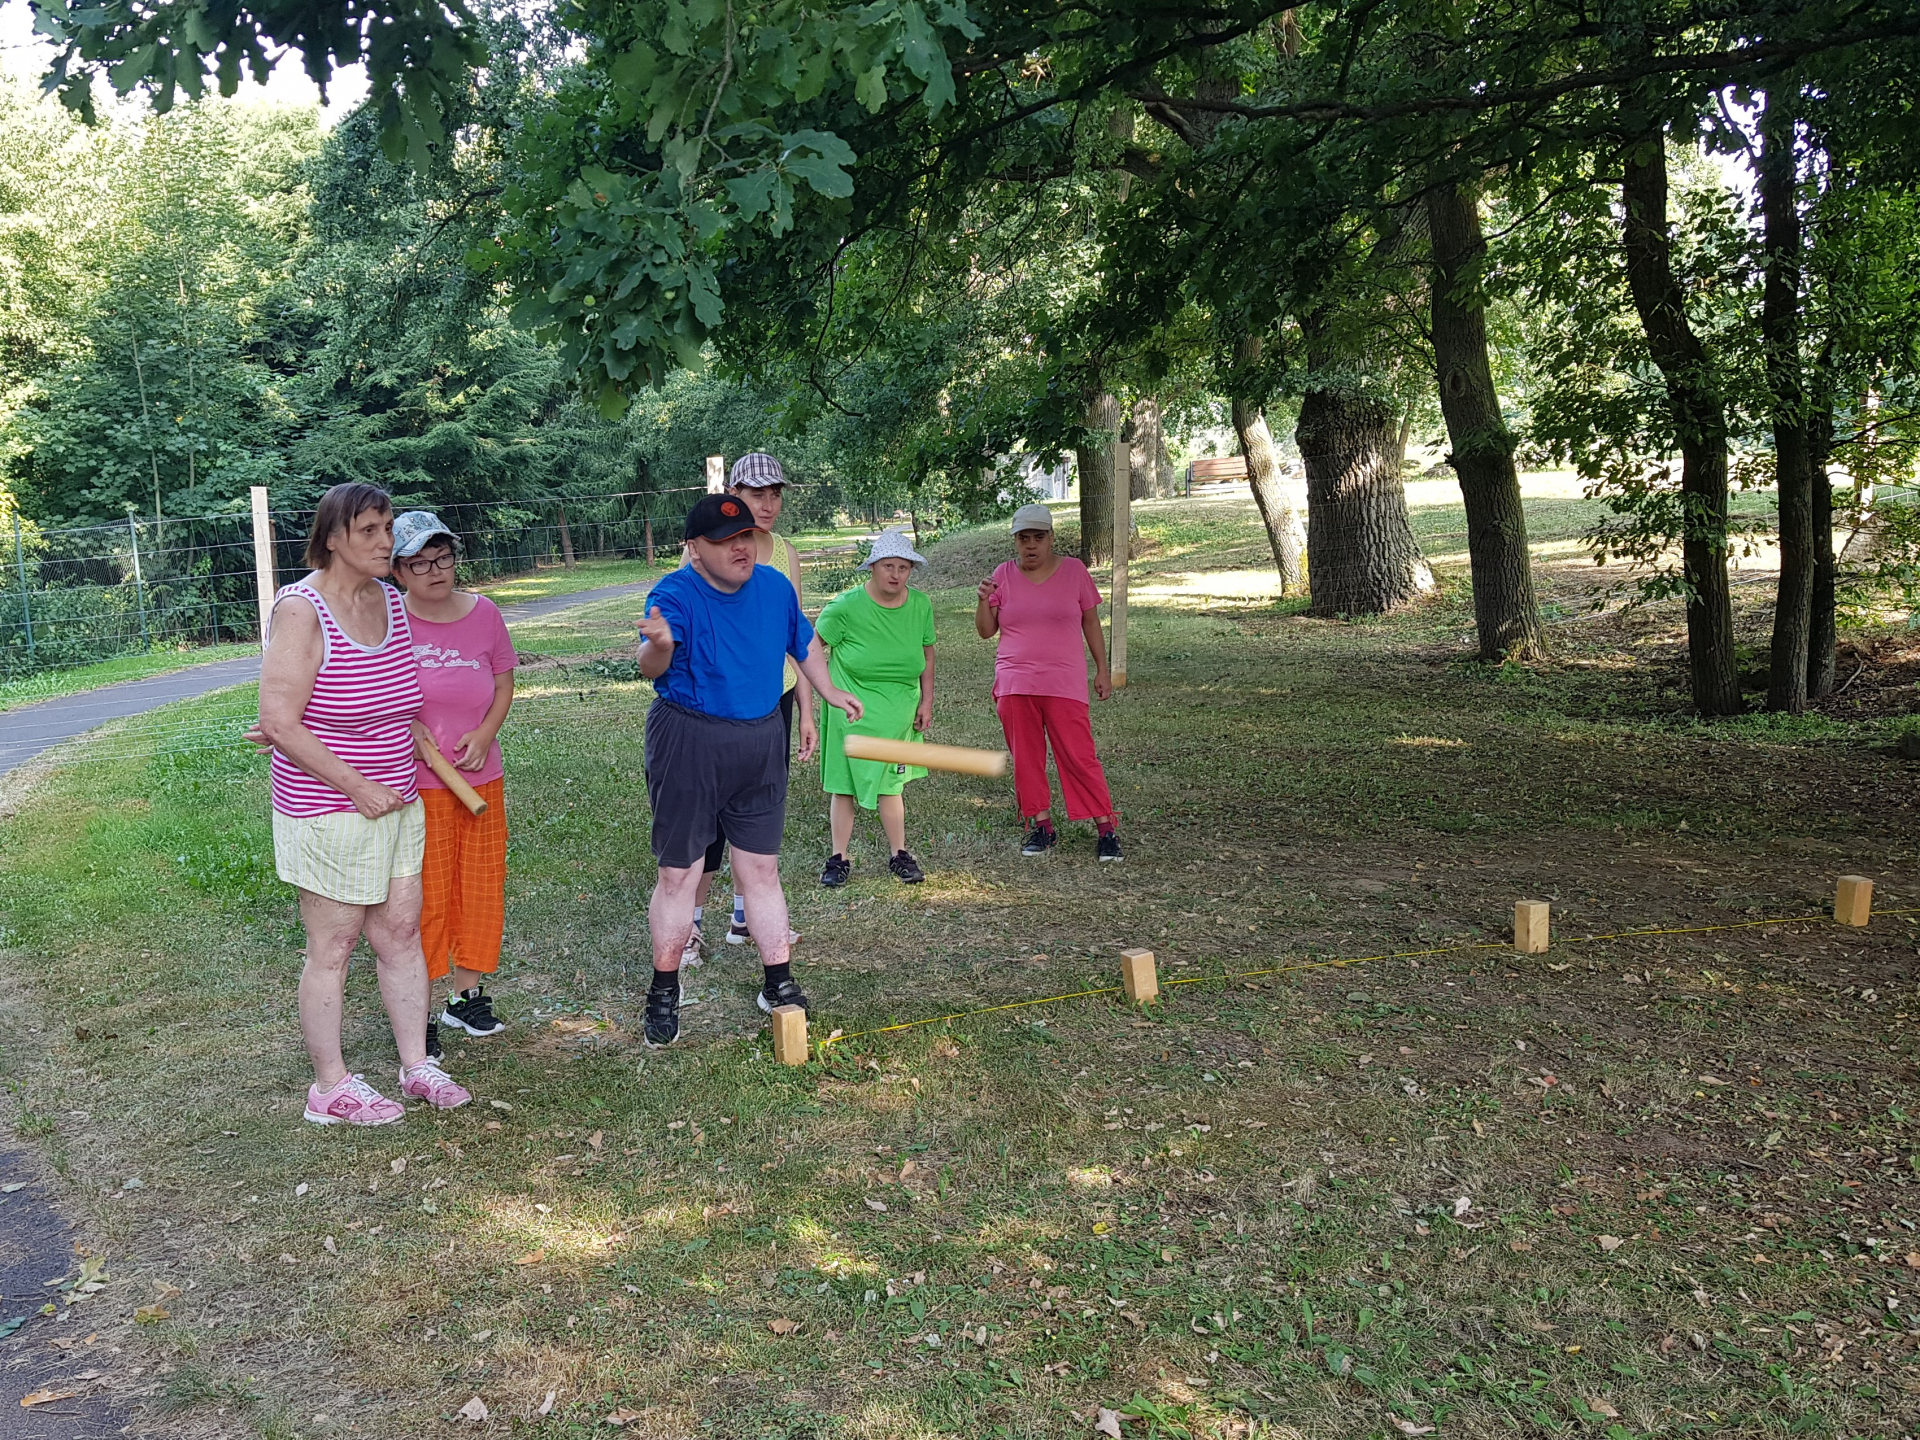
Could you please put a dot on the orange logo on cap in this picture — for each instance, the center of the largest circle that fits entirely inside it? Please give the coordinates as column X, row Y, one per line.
column 729, row 508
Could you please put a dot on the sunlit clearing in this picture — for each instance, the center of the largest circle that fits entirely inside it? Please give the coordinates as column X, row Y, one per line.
column 1428, row 742
column 1091, row 1177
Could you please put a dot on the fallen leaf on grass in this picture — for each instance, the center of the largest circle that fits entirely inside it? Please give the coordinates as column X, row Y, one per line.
column 1107, row 1423
column 783, row 1326
column 331, row 1246
column 532, row 1257
column 1602, row 1409
column 151, row 1315
column 546, row 1405
column 398, row 1164
column 1913, row 1262
column 597, row 1139
column 45, row 1397
column 12, row 1186
column 482, row 1337
column 1519, row 1246
column 622, row 1417
column 500, row 1105
column 877, row 1205
column 474, row 1410
column 7, row 1327
column 1610, row 1243
column 1407, row 1427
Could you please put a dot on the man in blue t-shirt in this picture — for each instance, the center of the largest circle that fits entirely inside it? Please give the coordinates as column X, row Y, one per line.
column 714, row 644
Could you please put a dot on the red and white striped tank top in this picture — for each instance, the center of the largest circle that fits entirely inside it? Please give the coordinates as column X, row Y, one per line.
column 364, row 702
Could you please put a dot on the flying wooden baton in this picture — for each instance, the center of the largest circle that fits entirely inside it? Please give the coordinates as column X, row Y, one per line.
column 449, row 777
column 933, row 757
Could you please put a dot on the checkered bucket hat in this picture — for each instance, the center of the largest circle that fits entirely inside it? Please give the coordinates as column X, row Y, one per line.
column 756, row 471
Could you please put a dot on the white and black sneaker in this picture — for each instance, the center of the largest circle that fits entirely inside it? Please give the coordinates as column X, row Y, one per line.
column 472, row 1012
column 434, row 1052
column 1110, row 846
column 772, row 997
column 663, row 1017
column 1040, row 839
column 738, row 933
column 836, row 872
column 905, row 868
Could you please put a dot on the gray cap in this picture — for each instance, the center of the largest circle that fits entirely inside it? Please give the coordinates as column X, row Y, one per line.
column 414, row 529
column 1032, row 517
column 892, row 544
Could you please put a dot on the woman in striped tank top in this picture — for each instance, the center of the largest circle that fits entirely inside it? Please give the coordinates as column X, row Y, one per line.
column 339, row 692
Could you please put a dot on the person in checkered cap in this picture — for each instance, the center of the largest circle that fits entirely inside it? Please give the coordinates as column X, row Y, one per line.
column 758, row 482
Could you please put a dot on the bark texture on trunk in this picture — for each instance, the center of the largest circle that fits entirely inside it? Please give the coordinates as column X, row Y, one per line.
column 1822, row 635
column 1095, row 459
column 1145, row 443
column 566, row 537
column 1792, row 453
column 1699, row 420
column 1361, row 554
column 1285, row 535
column 1506, row 614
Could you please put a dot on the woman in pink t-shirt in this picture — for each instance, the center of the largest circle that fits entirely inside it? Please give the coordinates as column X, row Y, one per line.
column 466, row 662
column 1045, row 609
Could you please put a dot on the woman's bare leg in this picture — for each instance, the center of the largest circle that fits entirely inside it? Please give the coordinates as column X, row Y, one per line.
column 332, row 930
column 393, row 929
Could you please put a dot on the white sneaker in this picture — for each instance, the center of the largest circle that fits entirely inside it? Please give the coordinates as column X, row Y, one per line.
column 694, row 951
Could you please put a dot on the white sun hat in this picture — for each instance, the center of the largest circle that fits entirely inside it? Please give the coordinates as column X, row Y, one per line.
column 892, row 544
column 1031, row 517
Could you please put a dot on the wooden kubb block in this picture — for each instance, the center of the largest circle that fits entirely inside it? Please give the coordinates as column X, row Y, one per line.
column 790, row 1034
column 1853, row 900
column 1138, row 977
column 1530, row 926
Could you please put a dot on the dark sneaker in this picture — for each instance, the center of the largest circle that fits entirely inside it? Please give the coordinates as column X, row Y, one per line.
column 434, row 1052
column 785, row 993
column 905, row 868
column 663, row 1018
column 1040, row 839
column 1110, row 846
column 473, row 1013
column 836, row 872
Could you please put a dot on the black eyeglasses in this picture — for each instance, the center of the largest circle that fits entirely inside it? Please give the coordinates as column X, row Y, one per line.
column 422, row 567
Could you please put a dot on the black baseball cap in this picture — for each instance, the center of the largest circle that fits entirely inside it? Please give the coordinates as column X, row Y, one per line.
column 717, row 517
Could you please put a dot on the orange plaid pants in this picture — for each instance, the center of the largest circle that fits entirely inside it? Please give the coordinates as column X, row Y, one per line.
column 463, row 907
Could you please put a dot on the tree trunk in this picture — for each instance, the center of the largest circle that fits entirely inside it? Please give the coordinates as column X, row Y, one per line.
column 1095, row 457
column 1361, row 553
column 1792, row 455
column 1146, row 443
column 1505, row 613
column 1822, row 633
column 1166, row 480
column 566, row 538
column 1699, row 421
column 1284, row 533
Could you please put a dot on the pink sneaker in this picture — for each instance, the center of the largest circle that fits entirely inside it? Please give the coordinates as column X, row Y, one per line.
column 351, row 1102
column 427, row 1081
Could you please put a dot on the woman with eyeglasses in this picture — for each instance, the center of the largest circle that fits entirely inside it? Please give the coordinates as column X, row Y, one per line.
column 466, row 674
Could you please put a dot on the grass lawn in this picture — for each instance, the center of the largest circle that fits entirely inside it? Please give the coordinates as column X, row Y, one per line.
column 1653, row 1185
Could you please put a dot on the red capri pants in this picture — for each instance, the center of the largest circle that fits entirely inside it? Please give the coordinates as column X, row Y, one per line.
column 1032, row 722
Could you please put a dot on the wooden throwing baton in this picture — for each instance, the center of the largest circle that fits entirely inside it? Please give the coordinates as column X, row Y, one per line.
column 934, row 757
column 449, row 777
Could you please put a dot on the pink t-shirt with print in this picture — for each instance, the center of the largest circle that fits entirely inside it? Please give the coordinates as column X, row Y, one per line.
column 457, row 664
column 1042, row 648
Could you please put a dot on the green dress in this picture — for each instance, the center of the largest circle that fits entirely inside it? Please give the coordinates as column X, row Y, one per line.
column 878, row 654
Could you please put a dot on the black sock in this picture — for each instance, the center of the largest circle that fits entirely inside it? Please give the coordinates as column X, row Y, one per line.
column 667, row 980
column 776, row 975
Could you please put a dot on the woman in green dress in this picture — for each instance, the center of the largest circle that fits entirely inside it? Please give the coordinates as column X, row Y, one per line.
column 879, row 639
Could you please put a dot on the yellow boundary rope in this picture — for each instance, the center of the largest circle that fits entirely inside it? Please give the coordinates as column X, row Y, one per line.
column 1506, row 945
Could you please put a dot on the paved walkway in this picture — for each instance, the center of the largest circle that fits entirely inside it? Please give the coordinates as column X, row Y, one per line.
column 29, row 729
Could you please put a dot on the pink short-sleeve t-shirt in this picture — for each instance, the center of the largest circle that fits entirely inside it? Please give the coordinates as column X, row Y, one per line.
column 457, row 664
column 1042, row 649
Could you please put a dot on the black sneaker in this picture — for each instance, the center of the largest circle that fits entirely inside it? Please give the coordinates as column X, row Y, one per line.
column 785, row 993
column 905, row 868
column 663, row 1018
column 1110, row 846
column 434, row 1052
column 473, row 1013
column 1040, row 839
column 836, row 872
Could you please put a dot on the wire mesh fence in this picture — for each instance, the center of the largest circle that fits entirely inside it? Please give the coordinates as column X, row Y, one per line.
column 82, row 594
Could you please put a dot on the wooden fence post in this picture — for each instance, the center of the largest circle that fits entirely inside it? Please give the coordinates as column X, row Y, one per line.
column 263, row 558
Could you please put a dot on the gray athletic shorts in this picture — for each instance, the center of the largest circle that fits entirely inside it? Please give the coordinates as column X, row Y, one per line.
column 709, row 777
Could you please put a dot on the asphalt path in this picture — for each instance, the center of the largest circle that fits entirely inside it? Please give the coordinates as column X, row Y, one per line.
column 30, row 729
